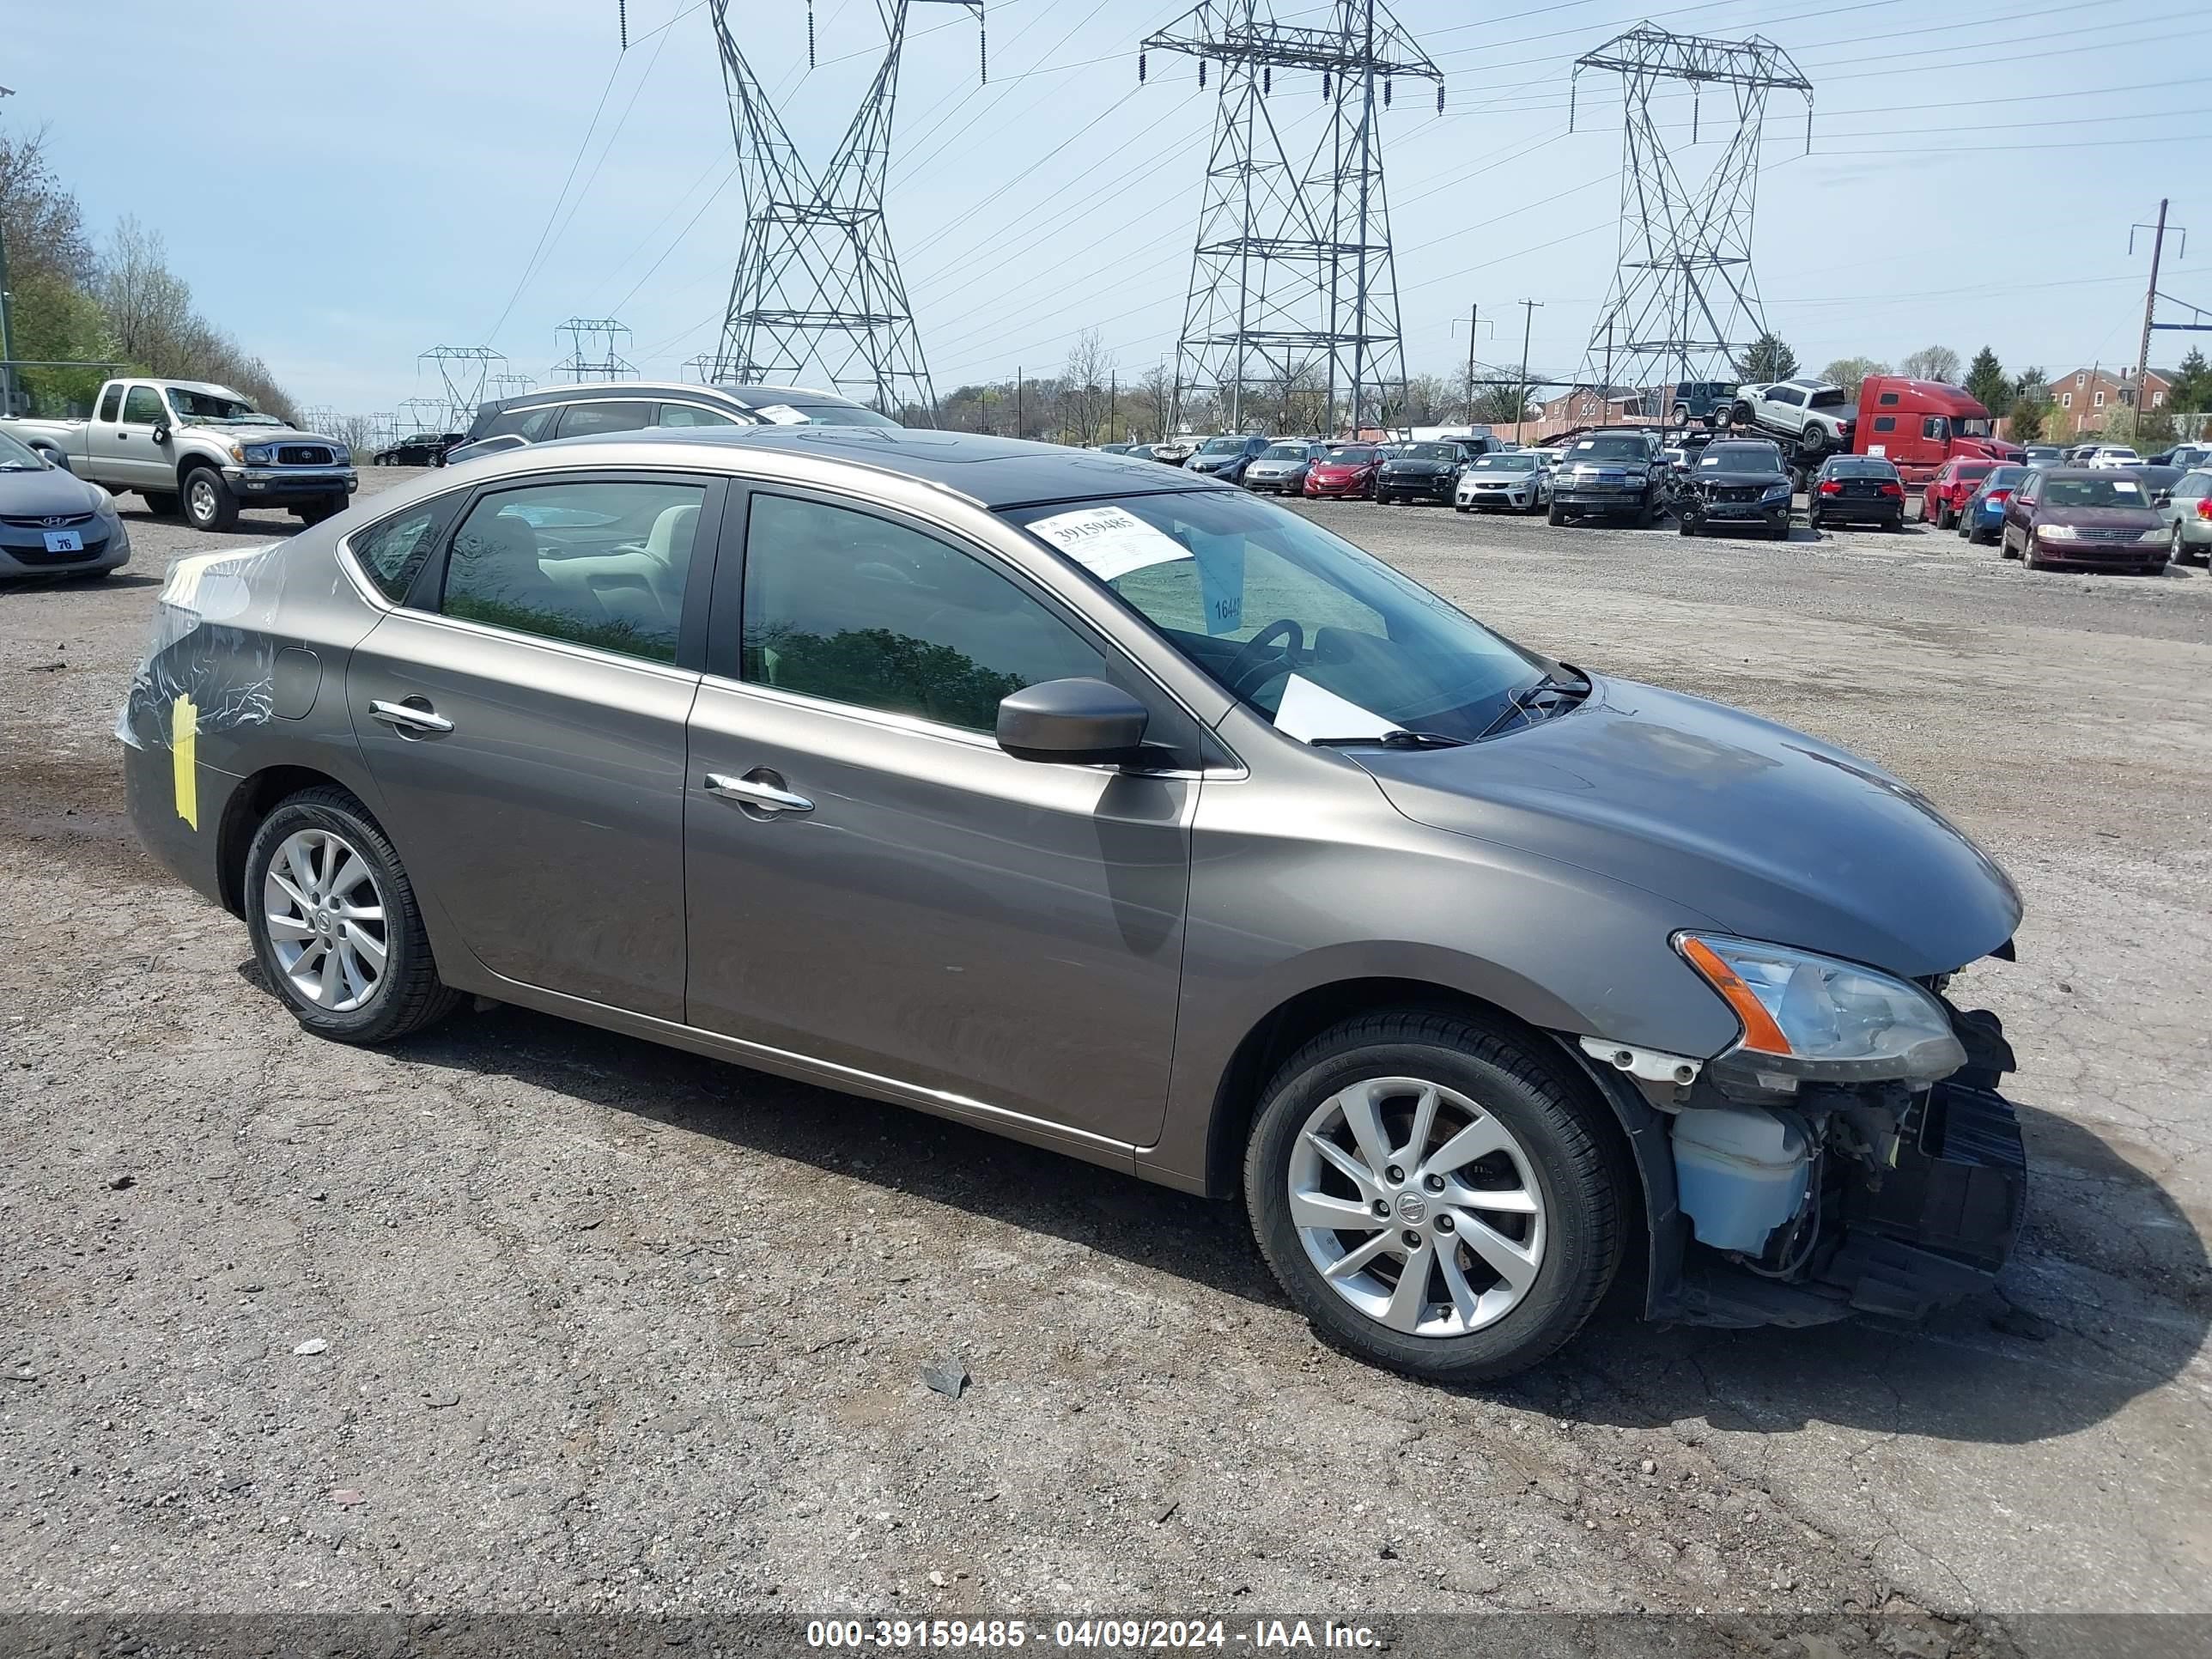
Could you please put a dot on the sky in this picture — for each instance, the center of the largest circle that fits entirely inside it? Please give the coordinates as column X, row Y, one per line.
column 346, row 187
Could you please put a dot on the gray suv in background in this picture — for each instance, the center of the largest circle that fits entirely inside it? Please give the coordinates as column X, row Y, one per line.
column 1117, row 811
column 600, row 408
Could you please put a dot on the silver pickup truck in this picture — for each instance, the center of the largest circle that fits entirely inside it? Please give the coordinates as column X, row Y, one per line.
column 203, row 449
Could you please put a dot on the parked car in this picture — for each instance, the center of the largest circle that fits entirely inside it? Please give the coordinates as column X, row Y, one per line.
column 193, row 447
column 1421, row 472
column 2187, row 457
column 1949, row 490
column 1855, row 489
column 1984, row 515
column 1738, row 483
column 2099, row 517
column 420, row 449
column 53, row 523
column 1516, row 480
column 1812, row 413
column 2104, row 455
column 2187, row 515
column 1612, row 474
column 1227, row 458
column 2044, row 455
column 970, row 765
column 594, row 409
column 1345, row 469
column 1280, row 468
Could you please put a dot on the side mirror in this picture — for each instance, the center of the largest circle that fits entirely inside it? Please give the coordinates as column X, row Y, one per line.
column 55, row 461
column 160, row 435
column 1074, row 722
column 2161, row 497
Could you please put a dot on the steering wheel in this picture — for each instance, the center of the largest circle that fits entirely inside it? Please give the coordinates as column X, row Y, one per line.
column 1248, row 658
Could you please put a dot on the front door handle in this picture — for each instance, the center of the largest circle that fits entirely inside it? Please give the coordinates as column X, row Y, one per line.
column 759, row 796
column 410, row 717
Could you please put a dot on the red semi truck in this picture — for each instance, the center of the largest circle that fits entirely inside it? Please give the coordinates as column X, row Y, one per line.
column 1915, row 425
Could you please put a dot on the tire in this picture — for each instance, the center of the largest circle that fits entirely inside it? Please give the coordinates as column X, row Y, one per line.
column 1645, row 513
column 1457, row 508
column 2004, row 545
column 2179, row 553
column 329, row 507
column 1780, row 532
column 1561, row 1154
column 405, row 994
column 1555, row 515
column 162, row 503
column 1812, row 520
column 1683, row 527
column 209, row 502
column 2027, row 551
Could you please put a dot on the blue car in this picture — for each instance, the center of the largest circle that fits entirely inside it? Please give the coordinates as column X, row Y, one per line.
column 1983, row 516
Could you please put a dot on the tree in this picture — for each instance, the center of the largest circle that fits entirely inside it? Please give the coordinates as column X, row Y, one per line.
column 1428, row 400
column 1084, row 401
column 2191, row 390
column 44, row 226
column 1766, row 358
column 1934, row 362
column 2031, row 406
column 1500, row 406
column 1157, row 390
column 55, row 321
column 1985, row 381
column 1848, row 372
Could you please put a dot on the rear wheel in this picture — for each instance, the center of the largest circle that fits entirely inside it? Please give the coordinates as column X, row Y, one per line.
column 335, row 925
column 1436, row 1195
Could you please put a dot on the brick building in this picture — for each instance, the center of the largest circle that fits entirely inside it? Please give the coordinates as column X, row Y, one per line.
column 2089, row 399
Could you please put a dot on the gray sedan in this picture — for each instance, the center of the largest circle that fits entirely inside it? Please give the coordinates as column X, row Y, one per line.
column 1111, row 808
column 1280, row 469
column 53, row 523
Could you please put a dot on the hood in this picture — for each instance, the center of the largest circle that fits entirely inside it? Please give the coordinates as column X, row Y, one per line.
column 260, row 435
column 1342, row 469
column 2099, row 518
column 45, row 493
column 1428, row 468
column 1774, row 835
column 1735, row 477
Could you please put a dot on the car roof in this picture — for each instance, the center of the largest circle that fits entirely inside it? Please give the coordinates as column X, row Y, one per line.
column 745, row 396
column 991, row 472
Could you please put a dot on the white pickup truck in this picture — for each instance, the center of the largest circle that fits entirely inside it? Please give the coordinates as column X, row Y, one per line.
column 203, row 449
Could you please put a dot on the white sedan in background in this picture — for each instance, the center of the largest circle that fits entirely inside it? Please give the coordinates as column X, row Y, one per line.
column 1514, row 478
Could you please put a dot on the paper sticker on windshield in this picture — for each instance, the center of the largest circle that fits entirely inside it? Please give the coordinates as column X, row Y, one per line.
column 2125, row 486
column 1220, row 580
column 1308, row 711
column 1109, row 542
column 1587, row 443
column 783, row 415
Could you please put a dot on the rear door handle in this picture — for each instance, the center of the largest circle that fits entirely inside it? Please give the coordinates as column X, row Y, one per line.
column 407, row 717
column 761, row 797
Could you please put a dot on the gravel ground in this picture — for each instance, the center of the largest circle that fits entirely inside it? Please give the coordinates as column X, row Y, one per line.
column 521, row 1315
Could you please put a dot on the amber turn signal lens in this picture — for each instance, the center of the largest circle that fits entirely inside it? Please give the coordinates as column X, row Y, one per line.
column 1759, row 1030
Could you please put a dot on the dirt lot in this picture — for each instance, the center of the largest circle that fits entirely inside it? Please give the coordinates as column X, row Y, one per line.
column 612, row 1327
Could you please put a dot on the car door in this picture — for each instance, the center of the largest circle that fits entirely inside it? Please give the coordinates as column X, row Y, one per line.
column 522, row 716
column 2019, row 509
column 874, row 884
column 125, row 450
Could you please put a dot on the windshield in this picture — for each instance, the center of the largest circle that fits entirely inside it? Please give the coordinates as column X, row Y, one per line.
column 1742, row 458
column 2005, row 477
column 1610, row 449
column 1428, row 452
column 16, row 456
column 1864, row 469
column 1285, row 452
column 1323, row 639
column 217, row 408
column 1355, row 455
column 2092, row 492
column 1222, row 446
column 1523, row 462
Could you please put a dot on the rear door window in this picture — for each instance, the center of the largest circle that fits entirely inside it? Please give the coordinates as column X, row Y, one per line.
column 693, row 415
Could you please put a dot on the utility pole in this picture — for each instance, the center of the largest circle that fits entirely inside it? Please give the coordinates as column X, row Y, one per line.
column 1113, row 404
column 1521, row 409
column 2150, row 308
column 7, row 319
column 1017, row 400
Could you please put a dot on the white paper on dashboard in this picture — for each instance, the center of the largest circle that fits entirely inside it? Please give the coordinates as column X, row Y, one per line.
column 1310, row 711
column 783, row 415
column 1109, row 541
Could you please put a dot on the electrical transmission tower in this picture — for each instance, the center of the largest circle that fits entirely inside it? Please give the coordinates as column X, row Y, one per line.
column 509, row 385
column 817, row 285
column 424, row 415
column 463, row 371
column 1292, row 279
column 1684, row 303
column 594, row 351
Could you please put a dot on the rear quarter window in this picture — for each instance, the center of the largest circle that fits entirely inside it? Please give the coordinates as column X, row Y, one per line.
column 391, row 552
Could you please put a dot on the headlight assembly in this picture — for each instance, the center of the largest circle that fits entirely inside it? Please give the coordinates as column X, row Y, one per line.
column 1813, row 1017
column 259, row 454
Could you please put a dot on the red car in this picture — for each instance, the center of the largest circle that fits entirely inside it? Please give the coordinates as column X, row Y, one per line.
column 1950, row 489
column 1347, row 470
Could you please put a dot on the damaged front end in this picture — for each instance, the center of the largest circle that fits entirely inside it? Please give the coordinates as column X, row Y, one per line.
column 1790, row 1192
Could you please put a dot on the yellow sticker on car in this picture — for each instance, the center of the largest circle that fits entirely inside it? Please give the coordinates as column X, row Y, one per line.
column 184, row 754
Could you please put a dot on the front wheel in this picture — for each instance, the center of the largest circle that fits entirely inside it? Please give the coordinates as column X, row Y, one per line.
column 335, row 925
column 208, row 501
column 1436, row 1195
column 1556, row 514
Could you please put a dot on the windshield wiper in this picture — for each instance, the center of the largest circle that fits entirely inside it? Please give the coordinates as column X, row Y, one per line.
column 1396, row 738
column 1527, row 699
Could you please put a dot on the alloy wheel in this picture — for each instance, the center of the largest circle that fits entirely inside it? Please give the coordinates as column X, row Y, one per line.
column 200, row 498
column 325, row 920
column 1418, row 1208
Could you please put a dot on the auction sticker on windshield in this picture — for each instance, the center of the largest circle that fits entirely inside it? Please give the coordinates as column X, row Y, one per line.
column 1109, row 542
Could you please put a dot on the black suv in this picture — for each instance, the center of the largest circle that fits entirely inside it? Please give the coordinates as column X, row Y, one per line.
column 416, row 449
column 573, row 411
column 1736, row 481
column 1613, row 472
